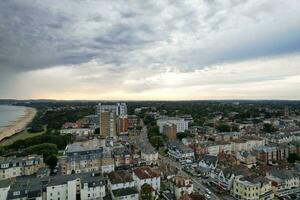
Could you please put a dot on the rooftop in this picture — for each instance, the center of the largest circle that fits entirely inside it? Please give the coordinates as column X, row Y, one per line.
column 117, row 177
column 145, row 173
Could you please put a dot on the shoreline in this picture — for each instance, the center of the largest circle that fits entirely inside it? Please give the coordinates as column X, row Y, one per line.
column 19, row 125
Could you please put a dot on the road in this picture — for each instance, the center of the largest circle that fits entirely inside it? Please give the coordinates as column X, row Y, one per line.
column 198, row 186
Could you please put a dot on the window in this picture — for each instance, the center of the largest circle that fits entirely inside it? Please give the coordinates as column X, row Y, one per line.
column 16, row 193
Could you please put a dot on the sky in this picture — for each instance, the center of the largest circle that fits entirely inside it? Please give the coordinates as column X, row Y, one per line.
column 150, row 50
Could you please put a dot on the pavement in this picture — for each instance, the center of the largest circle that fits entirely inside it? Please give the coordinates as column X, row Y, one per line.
column 198, row 186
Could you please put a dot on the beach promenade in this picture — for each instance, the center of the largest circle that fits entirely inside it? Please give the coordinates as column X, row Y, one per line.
column 19, row 125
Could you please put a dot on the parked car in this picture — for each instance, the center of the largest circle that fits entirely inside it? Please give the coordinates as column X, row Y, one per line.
column 207, row 196
column 207, row 191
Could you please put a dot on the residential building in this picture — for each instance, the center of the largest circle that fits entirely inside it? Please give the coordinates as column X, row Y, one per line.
column 85, row 186
column 181, row 124
column 180, row 152
column 122, row 186
column 247, row 158
column 11, row 167
column 284, row 182
column 81, row 159
column 78, row 131
column 182, row 186
column 252, row 188
column 122, row 157
column 170, row 131
column 207, row 164
column 143, row 175
column 113, row 119
column 149, row 156
column 132, row 121
column 122, row 125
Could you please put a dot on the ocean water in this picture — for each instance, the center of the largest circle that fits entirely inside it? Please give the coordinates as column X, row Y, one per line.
column 9, row 114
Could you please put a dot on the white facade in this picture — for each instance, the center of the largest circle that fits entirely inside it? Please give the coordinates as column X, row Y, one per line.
column 89, row 193
column 149, row 157
column 287, row 182
column 77, row 131
column 154, row 182
column 108, row 168
column 213, row 150
column 57, row 191
column 11, row 172
column 127, row 197
column 69, row 189
column 4, row 192
column 121, row 185
column 181, row 124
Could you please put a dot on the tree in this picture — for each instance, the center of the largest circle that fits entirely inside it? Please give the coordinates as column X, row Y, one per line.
column 181, row 135
column 147, row 192
column 157, row 141
column 269, row 128
column 293, row 158
column 97, row 131
column 51, row 161
column 223, row 127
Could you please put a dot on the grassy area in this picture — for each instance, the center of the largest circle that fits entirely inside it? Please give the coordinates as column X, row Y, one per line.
column 22, row 135
column 162, row 151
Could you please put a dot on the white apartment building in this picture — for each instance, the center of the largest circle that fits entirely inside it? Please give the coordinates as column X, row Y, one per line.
column 77, row 131
column 145, row 175
column 181, row 124
column 86, row 186
column 150, row 156
column 122, row 186
column 180, row 152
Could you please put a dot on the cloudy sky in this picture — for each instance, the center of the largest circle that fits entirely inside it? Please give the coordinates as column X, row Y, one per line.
column 162, row 49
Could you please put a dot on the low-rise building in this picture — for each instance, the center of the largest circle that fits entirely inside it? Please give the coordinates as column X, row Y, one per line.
column 149, row 156
column 247, row 158
column 85, row 186
column 143, row 175
column 180, row 152
column 122, row 157
column 252, row 188
column 181, row 123
column 182, row 186
column 82, row 159
column 11, row 167
column 122, row 186
column 284, row 182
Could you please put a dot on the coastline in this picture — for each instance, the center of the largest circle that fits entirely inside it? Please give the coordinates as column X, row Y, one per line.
column 19, row 125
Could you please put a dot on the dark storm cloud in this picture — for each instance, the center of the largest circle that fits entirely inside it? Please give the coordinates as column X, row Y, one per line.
column 186, row 34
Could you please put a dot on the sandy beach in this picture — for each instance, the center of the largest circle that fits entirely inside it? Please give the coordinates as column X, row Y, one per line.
column 19, row 125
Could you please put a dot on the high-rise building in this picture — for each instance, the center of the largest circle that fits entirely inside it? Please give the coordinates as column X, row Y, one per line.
column 121, row 109
column 123, row 125
column 170, row 130
column 113, row 119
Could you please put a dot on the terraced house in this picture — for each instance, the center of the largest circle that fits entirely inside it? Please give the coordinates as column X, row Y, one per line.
column 83, row 159
column 11, row 167
column 252, row 188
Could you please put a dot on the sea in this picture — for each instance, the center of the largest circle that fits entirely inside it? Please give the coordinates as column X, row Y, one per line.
column 9, row 114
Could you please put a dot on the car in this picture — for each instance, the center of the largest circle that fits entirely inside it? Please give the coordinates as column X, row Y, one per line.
column 207, row 191
column 207, row 196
